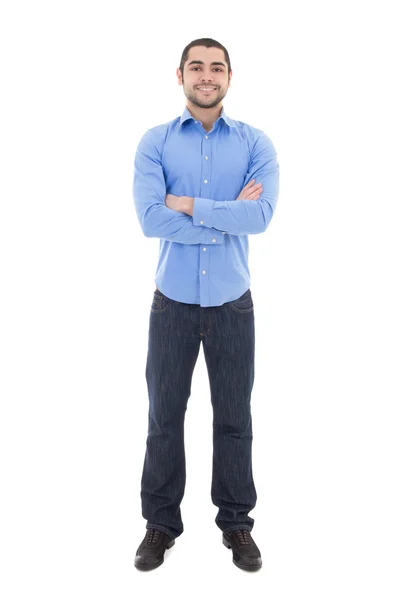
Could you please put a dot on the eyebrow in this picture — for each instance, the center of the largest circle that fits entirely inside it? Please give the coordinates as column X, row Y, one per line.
column 200, row 62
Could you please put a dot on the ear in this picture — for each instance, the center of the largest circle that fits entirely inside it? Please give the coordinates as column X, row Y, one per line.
column 179, row 75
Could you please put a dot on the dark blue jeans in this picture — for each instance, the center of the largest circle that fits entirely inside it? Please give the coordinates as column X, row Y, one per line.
column 175, row 333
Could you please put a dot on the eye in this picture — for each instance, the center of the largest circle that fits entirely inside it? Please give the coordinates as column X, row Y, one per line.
column 194, row 68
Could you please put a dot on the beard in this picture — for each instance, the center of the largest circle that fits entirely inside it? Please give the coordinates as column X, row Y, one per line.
column 198, row 99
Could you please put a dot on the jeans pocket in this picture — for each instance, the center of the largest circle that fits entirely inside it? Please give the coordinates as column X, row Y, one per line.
column 244, row 304
column 160, row 302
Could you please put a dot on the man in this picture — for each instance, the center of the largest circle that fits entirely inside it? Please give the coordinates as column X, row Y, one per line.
column 189, row 173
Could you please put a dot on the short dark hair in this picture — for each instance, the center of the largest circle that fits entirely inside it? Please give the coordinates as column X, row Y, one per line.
column 208, row 43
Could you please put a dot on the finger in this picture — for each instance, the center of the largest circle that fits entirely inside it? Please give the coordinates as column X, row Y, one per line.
column 256, row 191
column 248, row 184
column 255, row 188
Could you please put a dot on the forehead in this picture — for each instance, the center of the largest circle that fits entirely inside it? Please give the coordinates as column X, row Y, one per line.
column 206, row 55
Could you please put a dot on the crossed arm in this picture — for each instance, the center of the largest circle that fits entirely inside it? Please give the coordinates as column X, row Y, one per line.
column 185, row 204
column 209, row 218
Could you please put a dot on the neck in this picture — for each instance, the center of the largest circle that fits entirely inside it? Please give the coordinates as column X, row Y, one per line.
column 206, row 116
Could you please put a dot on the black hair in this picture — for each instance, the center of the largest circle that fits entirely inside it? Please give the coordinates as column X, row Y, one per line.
column 208, row 43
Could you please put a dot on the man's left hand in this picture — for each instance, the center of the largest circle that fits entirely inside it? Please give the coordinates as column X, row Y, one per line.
column 182, row 204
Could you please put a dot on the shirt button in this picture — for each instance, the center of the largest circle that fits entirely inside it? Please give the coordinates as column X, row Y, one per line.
column 224, row 232
column 201, row 222
column 204, row 272
column 204, row 249
column 206, row 181
column 214, row 240
column 206, row 136
column 206, row 157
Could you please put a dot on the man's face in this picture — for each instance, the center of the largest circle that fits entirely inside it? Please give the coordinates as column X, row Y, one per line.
column 199, row 72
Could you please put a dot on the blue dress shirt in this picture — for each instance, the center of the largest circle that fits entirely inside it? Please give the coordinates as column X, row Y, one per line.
column 203, row 259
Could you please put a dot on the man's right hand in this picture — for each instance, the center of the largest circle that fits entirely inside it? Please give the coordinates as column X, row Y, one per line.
column 250, row 191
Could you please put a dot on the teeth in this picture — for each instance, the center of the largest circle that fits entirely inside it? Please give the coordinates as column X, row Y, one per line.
column 206, row 89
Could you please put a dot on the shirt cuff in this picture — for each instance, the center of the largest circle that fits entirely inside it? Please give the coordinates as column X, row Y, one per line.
column 202, row 216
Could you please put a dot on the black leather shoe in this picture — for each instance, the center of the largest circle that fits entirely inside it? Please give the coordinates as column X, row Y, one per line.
column 245, row 553
column 150, row 553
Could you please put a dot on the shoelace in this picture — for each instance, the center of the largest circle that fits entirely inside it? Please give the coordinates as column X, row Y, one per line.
column 243, row 536
column 153, row 536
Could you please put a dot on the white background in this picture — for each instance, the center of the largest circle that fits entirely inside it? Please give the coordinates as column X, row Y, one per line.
column 82, row 81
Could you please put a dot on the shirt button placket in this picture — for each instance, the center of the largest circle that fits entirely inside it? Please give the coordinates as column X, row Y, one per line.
column 205, row 194
column 206, row 167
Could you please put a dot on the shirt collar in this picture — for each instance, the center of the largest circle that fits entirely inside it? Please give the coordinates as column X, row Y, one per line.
column 186, row 115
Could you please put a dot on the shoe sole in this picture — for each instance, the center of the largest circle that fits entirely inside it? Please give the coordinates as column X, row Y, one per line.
column 151, row 567
column 244, row 567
